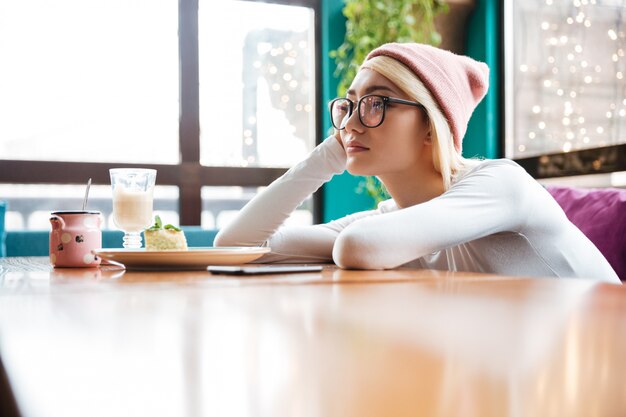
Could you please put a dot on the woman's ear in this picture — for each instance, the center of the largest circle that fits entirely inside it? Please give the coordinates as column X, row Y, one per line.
column 428, row 139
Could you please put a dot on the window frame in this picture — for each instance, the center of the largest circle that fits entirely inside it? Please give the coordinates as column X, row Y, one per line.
column 188, row 175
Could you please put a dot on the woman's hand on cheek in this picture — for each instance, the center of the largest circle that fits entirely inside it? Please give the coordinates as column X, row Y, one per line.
column 338, row 137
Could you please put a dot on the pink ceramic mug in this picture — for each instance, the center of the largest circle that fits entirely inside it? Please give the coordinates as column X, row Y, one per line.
column 73, row 236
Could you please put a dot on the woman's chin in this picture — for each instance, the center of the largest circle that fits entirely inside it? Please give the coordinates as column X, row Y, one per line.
column 359, row 169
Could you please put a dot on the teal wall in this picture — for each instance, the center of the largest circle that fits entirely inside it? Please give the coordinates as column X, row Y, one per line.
column 340, row 197
column 482, row 137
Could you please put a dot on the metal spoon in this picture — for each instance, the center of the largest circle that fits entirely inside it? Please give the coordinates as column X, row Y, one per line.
column 86, row 194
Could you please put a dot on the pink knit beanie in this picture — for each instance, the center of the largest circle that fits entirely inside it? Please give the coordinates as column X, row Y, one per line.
column 458, row 83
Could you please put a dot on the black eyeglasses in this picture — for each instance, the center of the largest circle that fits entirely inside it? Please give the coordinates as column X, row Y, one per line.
column 371, row 110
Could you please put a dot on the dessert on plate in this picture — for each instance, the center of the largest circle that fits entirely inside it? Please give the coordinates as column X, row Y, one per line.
column 168, row 237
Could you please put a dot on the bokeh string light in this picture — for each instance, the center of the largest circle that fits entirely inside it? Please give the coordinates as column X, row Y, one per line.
column 570, row 70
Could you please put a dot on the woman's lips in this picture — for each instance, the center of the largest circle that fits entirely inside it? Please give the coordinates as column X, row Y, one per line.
column 355, row 147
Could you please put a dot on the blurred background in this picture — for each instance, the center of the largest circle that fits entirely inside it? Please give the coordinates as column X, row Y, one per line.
column 222, row 96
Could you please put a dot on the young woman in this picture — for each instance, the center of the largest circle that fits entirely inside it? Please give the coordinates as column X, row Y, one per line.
column 403, row 120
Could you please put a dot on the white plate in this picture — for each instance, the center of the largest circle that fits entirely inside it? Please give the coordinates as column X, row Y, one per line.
column 194, row 258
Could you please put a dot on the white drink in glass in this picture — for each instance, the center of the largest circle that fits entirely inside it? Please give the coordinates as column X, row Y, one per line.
column 133, row 189
column 132, row 209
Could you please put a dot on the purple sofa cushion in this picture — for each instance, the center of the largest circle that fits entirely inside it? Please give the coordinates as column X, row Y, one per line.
column 601, row 215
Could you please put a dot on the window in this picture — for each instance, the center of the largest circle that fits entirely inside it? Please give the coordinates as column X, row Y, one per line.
column 258, row 109
column 31, row 204
column 221, row 204
column 210, row 93
column 106, row 95
column 565, row 74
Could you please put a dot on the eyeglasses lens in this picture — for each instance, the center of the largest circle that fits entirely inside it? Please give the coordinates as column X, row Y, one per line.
column 340, row 113
column 371, row 110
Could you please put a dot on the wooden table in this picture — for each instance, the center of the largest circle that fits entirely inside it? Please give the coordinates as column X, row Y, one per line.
column 104, row 342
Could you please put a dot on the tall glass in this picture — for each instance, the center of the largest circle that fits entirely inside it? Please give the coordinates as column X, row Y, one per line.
column 133, row 189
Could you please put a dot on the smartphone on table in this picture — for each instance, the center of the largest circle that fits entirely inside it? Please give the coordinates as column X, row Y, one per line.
column 263, row 269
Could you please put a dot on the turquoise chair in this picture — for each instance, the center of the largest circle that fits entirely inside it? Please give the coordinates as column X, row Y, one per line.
column 36, row 242
column 3, row 210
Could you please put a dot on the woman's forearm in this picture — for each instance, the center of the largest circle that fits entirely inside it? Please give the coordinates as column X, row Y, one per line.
column 267, row 211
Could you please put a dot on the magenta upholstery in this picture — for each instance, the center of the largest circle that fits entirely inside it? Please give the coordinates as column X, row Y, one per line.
column 601, row 215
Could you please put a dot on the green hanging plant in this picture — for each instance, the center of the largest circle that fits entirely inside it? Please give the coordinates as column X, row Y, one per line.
column 373, row 188
column 371, row 23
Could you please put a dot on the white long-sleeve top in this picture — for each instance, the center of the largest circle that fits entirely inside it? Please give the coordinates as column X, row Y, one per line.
column 495, row 218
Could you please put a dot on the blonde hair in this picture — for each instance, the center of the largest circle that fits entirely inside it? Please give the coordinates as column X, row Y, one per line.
column 446, row 159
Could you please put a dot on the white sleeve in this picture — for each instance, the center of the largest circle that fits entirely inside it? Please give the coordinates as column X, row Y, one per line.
column 258, row 222
column 488, row 200
column 299, row 244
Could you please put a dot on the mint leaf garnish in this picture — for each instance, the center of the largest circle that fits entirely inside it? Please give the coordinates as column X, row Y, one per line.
column 158, row 224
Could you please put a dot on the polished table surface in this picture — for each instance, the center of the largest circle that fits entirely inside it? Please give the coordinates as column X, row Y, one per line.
column 105, row 342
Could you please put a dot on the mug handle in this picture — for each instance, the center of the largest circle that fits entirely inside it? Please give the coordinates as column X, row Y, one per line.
column 55, row 221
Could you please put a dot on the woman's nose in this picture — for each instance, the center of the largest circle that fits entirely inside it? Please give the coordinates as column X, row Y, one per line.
column 354, row 123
